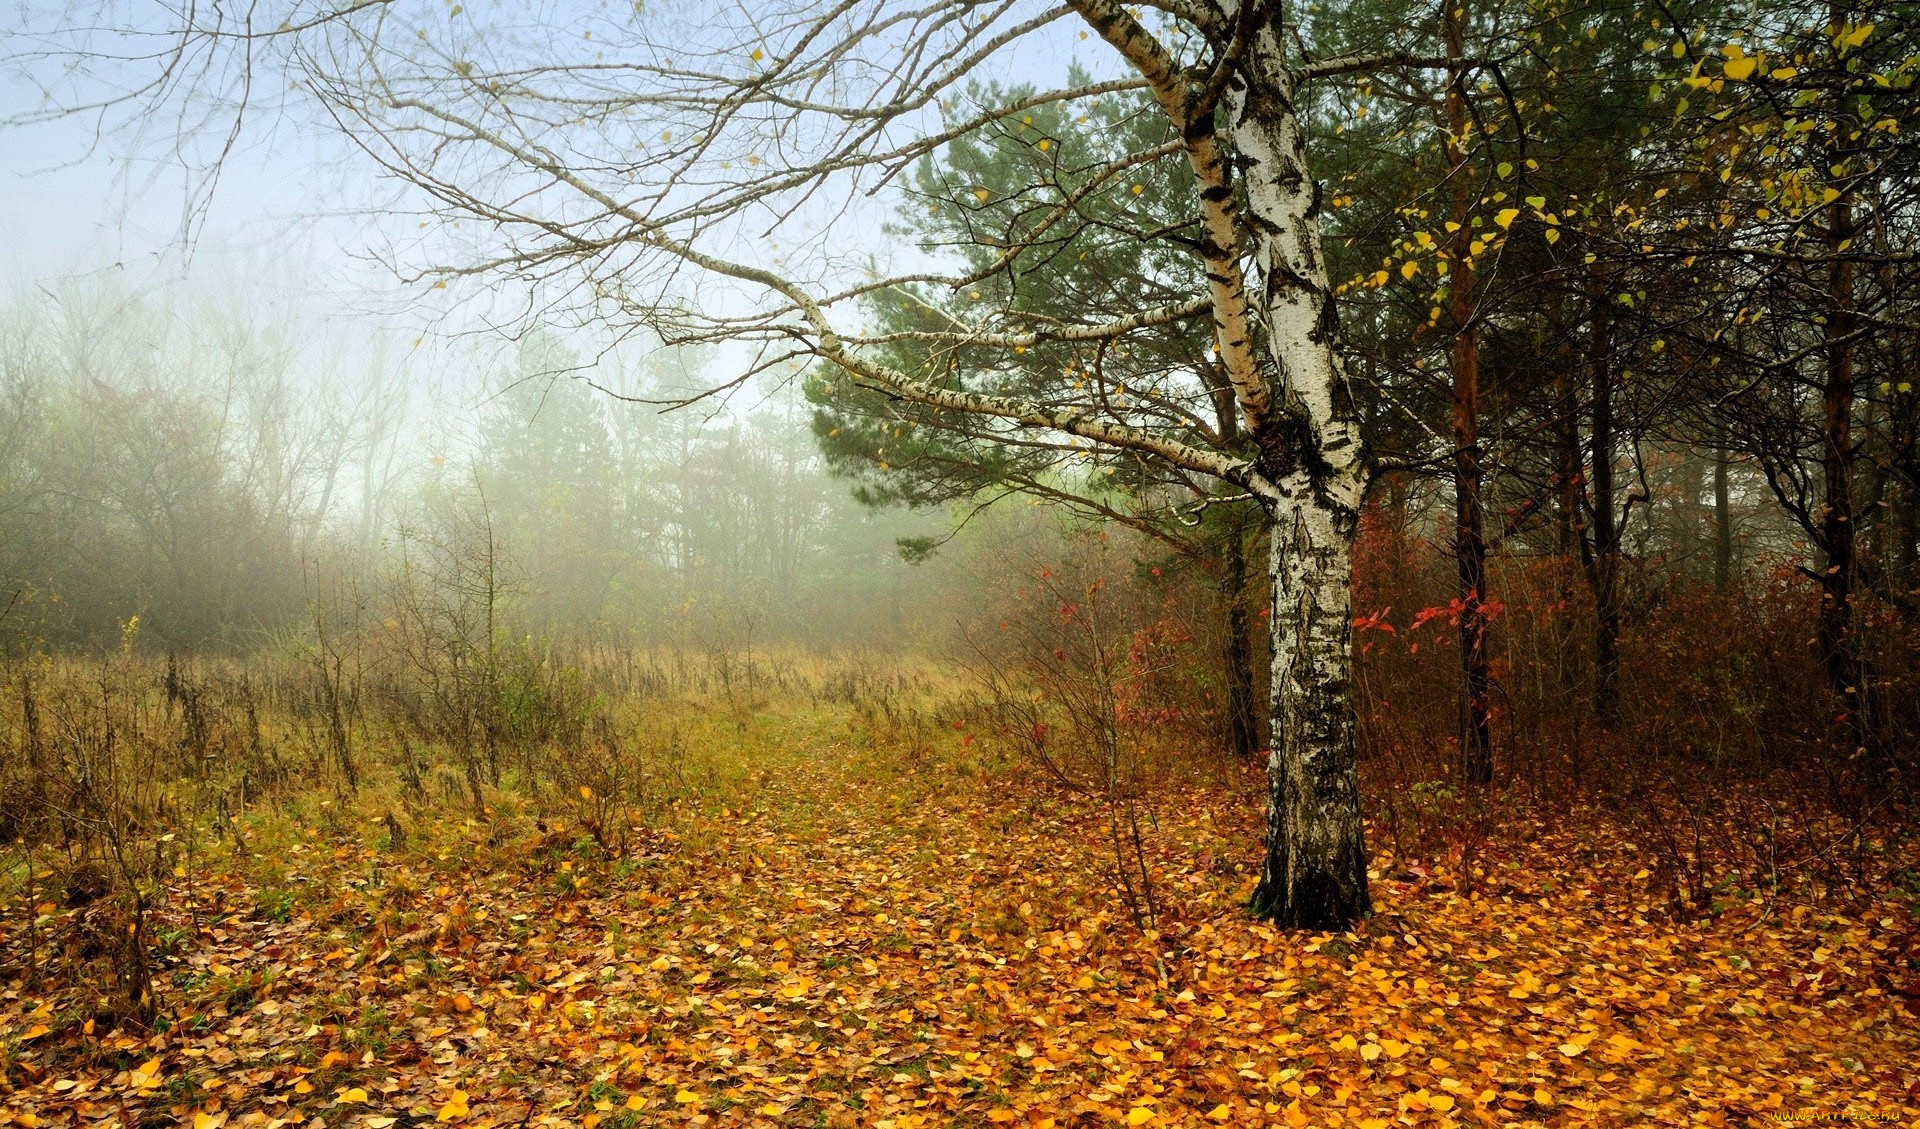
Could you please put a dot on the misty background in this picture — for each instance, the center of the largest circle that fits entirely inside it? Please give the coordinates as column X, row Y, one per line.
column 224, row 406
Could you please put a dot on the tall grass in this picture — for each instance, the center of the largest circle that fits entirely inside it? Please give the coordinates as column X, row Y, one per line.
column 117, row 771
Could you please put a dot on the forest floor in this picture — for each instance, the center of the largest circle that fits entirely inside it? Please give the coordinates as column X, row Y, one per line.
column 945, row 949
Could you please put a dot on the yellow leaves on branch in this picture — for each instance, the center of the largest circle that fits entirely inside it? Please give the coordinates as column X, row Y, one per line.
column 1848, row 38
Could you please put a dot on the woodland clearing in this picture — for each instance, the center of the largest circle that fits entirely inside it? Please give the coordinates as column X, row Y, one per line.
column 835, row 929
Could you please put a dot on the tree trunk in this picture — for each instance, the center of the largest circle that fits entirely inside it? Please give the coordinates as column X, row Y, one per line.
column 1839, row 649
column 1569, row 488
column 1469, row 534
column 1243, row 723
column 1316, row 870
column 1603, row 563
column 1722, row 519
column 1311, row 456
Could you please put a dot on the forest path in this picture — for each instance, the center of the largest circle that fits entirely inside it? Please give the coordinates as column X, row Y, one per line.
column 855, row 939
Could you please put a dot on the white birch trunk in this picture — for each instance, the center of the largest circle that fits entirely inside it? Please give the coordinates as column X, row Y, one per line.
column 1316, row 867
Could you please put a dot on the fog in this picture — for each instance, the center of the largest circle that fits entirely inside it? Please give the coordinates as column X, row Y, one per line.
column 207, row 469
column 233, row 404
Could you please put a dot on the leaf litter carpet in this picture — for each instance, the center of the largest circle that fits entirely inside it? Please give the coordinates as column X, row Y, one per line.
column 938, row 950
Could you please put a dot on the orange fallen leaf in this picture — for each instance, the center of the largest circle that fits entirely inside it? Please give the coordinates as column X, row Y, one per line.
column 146, row 1076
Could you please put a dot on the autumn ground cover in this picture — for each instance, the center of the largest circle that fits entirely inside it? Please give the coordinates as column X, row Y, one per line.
column 844, row 931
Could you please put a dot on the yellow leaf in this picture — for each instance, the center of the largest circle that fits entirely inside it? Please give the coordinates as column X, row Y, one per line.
column 1542, row 1096
column 1220, row 1112
column 1346, row 1043
column 1740, row 70
column 586, row 793
column 981, row 194
column 147, row 1075
column 1370, row 1052
column 331, row 1059
column 1409, row 268
column 1572, row 1050
column 1001, row 1115
column 686, row 1097
column 635, row 1101
column 1139, row 1115
column 1393, row 1047
column 1506, row 217
column 355, row 1096
column 1440, row 1103
column 35, row 1032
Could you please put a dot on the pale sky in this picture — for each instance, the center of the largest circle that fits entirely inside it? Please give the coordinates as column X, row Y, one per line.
column 297, row 208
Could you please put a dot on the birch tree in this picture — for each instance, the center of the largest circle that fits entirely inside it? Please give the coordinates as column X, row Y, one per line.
column 713, row 174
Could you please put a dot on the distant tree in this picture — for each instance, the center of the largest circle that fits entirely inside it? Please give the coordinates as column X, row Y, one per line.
column 546, row 462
